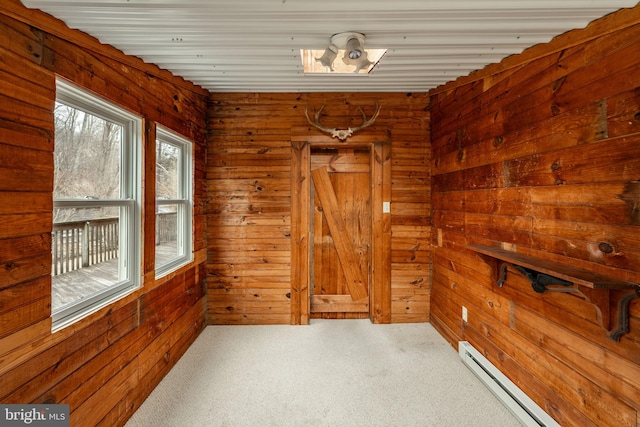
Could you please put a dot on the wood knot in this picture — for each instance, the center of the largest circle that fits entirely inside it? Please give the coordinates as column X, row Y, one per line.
column 555, row 168
column 605, row 247
column 497, row 141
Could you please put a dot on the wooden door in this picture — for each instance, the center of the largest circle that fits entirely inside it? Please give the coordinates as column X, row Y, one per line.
column 371, row 155
column 340, row 232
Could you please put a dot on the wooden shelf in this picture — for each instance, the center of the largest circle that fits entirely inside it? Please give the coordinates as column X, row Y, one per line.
column 549, row 276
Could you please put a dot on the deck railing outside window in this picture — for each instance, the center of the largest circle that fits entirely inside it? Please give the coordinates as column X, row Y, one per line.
column 80, row 244
column 166, row 227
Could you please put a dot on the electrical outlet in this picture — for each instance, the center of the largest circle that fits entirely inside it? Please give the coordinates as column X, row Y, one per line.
column 464, row 313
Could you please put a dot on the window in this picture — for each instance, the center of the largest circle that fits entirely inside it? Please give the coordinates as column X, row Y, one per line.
column 96, row 202
column 173, row 202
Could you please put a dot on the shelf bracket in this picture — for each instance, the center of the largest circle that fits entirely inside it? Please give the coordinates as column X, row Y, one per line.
column 615, row 323
column 610, row 298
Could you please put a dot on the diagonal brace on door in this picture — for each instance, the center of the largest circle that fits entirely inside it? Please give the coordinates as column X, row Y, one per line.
column 344, row 248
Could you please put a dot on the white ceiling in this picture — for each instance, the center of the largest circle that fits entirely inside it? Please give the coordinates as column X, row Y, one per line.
column 254, row 45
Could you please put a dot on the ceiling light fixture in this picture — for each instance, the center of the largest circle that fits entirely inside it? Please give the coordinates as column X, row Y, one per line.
column 355, row 58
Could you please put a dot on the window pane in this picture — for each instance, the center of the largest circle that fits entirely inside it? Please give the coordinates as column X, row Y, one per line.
column 167, row 170
column 96, row 219
column 167, row 233
column 87, row 155
column 173, row 203
column 85, row 246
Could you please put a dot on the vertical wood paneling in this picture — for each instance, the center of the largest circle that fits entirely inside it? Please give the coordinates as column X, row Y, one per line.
column 300, row 190
column 103, row 366
column 381, row 293
column 543, row 156
column 249, row 188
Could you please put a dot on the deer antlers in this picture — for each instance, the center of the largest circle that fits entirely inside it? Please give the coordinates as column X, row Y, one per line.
column 342, row 134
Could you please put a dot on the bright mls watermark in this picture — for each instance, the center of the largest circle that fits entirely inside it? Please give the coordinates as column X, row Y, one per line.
column 34, row 415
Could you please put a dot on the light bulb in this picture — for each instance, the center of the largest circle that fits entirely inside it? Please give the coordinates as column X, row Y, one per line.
column 355, row 54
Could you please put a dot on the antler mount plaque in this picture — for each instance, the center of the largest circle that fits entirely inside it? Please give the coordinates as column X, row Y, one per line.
column 342, row 134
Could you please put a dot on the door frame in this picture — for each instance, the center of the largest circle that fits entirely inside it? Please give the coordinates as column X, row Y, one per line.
column 379, row 145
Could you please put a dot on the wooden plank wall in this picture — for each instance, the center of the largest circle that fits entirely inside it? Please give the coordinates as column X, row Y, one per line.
column 542, row 153
column 249, row 205
column 105, row 365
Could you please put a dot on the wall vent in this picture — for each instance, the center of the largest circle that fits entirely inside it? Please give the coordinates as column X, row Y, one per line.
column 520, row 405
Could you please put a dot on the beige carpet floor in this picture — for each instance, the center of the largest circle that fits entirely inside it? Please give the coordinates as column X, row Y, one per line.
column 330, row 373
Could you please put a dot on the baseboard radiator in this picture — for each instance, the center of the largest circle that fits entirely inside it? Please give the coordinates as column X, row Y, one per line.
column 520, row 405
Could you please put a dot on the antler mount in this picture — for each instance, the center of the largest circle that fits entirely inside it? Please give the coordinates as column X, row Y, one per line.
column 342, row 134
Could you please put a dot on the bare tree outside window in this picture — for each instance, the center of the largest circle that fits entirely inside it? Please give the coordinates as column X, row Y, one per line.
column 167, row 170
column 86, row 160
